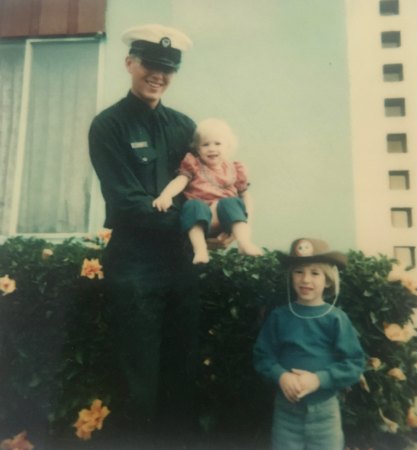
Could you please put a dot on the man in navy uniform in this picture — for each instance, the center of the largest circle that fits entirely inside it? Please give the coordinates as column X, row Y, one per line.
column 136, row 146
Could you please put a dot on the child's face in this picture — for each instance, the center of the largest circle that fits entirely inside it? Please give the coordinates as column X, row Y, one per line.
column 309, row 282
column 212, row 148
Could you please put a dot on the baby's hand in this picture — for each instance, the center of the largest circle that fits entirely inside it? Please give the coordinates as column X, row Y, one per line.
column 309, row 382
column 162, row 203
column 290, row 386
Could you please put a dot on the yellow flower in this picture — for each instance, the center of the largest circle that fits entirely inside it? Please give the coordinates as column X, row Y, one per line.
column 396, row 333
column 92, row 268
column 409, row 331
column 19, row 442
column 105, row 235
column 397, row 373
column 412, row 417
column 46, row 253
column 389, row 425
column 207, row 362
column 7, row 285
column 375, row 363
column 91, row 419
column 409, row 284
column 364, row 384
column 398, row 273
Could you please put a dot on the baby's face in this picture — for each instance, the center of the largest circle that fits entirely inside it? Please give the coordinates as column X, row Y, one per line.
column 212, row 148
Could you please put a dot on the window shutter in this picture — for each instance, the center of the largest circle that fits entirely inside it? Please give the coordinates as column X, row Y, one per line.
column 47, row 18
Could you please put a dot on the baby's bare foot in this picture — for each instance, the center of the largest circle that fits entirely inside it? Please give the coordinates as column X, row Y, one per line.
column 201, row 257
column 250, row 249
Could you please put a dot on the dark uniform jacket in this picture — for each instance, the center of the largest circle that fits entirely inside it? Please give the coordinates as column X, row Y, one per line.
column 136, row 151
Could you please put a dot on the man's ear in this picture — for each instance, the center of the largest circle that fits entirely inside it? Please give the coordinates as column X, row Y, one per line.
column 129, row 63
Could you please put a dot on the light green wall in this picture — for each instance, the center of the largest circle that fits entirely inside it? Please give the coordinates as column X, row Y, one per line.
column 277, row 71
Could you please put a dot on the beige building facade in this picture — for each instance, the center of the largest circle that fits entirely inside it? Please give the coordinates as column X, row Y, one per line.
column 382, row 59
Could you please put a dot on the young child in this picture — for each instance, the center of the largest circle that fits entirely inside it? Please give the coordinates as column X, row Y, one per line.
column 309, row 350
column 216, row 191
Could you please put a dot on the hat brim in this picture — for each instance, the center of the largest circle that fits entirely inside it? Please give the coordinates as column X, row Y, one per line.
column 335, row 258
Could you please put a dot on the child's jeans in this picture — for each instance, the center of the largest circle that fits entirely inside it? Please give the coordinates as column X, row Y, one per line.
column 297, row 426
column 229, row 210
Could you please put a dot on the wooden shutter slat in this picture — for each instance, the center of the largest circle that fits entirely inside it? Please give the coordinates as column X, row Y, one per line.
column 91, row 16
column 53, row 17
column 33, row 18
column 15, row 18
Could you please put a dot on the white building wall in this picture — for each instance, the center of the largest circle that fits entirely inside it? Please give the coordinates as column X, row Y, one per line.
column 370, row 126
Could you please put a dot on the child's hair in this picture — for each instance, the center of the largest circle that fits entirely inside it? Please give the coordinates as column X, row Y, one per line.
column 222, row 127
column 331, row 273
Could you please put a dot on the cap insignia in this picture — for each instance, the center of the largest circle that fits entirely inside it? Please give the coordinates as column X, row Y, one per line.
column 304, row 248
column 165, row 42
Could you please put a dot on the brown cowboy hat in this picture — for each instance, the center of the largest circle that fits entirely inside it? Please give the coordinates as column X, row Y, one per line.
column 307, row 251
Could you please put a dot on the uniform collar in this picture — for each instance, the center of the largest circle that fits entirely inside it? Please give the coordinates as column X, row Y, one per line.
column 142, row 108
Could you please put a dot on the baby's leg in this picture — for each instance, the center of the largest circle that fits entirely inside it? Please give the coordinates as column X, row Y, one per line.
column 198, row 241
column 233, row 218
column 195, row 219
column 215, row 227
column 242, row 234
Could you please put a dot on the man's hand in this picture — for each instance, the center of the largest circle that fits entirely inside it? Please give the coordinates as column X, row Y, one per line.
column 162, row 203
column 290, row 386
column 309, row 382
column 222, row 241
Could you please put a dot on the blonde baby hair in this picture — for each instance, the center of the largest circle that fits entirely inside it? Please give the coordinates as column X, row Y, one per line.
column 220, row 126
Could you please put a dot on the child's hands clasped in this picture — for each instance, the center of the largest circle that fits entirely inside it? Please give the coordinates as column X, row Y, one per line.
column 291, row 386
column 162, row 203
column 309, row 382
column 298, row 383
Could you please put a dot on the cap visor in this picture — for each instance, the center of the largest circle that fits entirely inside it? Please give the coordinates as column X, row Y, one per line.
column 159, row 64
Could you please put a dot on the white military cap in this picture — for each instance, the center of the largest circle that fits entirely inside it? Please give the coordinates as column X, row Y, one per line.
column 157, row 44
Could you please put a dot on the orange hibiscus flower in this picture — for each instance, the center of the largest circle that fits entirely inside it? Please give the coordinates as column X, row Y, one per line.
column 91, row 419
column 7, row 285
column 92, row 268
column 396, row 333
column 19, row 442
column 412, row 417
column 397, row 373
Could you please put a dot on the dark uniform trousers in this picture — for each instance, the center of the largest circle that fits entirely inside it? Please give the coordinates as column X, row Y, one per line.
column 151, row 285
column 154, row 309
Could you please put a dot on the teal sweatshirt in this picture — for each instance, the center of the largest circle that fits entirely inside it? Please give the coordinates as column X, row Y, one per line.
column 327, row 345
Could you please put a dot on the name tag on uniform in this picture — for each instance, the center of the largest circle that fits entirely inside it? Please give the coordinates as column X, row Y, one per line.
column 142, row 144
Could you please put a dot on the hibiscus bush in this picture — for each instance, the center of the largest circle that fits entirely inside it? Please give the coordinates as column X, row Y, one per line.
column 57, row 375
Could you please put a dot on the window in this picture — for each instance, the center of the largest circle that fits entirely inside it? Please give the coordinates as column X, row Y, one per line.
column 399, row 180
column 390, row 39
column 393, row 72
column 394, row 107
column 401, row 218
column 389, row 7
column 47, row 101
column 397, row 143
column 406, row 256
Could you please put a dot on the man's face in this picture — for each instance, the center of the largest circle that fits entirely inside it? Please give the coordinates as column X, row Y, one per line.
column 148, row 82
